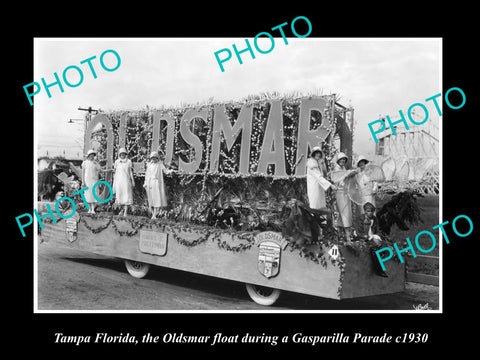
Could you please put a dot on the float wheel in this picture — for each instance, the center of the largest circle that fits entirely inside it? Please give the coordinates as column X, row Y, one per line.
column 262, row 295
column 136, row 268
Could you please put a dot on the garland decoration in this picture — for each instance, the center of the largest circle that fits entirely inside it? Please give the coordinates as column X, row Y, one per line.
column 305, row 252
column 201, row 239
column 304, row 249
column 83, row 219
column 320, row 255
column 238, row 248
column 136, row 225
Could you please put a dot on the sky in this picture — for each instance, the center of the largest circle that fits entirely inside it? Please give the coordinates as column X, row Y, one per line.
column 374, row 76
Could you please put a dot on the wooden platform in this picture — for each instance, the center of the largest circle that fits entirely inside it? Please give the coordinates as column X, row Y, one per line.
column 227, row 255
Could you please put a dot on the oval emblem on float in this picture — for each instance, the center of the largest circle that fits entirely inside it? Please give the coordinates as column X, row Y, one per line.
column 270, row 246
column 71, row 227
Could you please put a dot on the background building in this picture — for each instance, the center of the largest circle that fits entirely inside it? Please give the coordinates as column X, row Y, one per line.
column 411, row 155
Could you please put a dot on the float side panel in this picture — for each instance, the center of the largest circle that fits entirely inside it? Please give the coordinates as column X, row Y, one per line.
column 360, row 279
column 296, row 273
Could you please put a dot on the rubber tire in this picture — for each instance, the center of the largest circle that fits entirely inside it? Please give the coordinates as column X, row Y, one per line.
column 136, row 268
column 260, row 299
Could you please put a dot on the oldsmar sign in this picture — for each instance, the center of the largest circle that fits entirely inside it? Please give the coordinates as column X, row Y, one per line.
column 262, row 137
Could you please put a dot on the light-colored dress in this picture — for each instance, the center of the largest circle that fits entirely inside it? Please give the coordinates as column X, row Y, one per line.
column 344, row 203
column 367, row 188
column 155, row 185
column 91, row 175
column 122, row 182
column 316, row 185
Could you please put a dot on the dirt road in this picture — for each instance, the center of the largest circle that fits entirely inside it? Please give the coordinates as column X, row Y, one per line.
column 69, row 279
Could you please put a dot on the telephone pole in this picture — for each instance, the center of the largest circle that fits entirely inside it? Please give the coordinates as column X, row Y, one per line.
column 90, row 111
column 87, row 120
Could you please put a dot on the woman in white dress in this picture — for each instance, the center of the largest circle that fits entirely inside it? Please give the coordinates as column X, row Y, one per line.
column 90, row 176
column 316, row 182
column 344, row 204
column 154, row 184
column 367, row 186
column 123, row 181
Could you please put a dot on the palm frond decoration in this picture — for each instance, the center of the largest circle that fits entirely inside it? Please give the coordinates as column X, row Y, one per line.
column 401, row 210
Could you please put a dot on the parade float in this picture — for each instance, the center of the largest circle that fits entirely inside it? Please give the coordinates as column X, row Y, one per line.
column 237, row 198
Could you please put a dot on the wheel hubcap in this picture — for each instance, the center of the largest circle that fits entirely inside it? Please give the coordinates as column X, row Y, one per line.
column 263, row 291
column 137, row 265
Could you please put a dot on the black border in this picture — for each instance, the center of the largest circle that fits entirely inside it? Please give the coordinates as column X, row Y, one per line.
column 35, row 331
